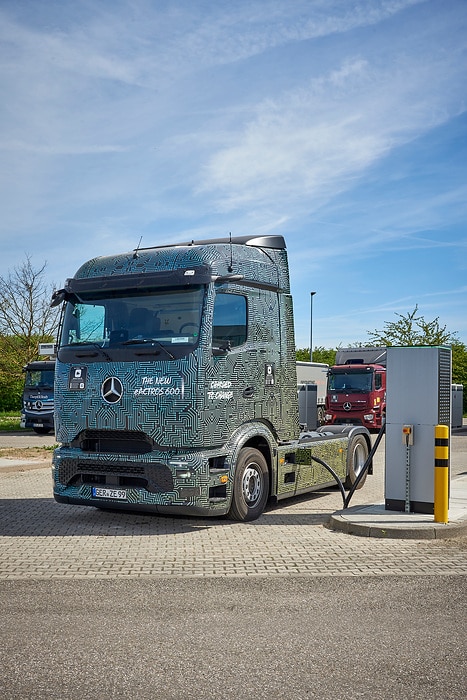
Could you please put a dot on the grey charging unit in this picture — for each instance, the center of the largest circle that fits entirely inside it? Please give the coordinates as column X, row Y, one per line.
column 308, row 406
column 418, row 398
column 457, row 406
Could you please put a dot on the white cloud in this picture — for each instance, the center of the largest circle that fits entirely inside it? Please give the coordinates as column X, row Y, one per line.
column 306, row 145
column 186, row 119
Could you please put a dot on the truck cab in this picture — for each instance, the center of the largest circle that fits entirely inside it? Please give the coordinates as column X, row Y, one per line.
column 38, row 397
column 176, row 383
column 356, row 395
column 356, row 388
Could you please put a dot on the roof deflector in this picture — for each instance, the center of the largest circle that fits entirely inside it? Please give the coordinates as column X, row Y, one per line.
column 276, row 242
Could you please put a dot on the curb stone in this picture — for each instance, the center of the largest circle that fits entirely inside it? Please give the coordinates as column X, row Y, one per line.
column 342, row 522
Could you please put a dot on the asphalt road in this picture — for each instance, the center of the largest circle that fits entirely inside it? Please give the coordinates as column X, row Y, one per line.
column 340, row 638
column 105, row 605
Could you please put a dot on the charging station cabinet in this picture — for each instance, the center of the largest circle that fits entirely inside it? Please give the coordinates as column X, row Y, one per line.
column 457, row 406
column 418, row 397
column 308, row 406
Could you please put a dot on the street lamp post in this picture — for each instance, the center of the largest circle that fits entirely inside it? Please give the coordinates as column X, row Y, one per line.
column 312, row 294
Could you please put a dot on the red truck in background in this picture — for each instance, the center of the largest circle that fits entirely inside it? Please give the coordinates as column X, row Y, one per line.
column 356, row 388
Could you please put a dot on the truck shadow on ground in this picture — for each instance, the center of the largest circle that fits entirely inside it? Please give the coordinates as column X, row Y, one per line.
column 43, row 517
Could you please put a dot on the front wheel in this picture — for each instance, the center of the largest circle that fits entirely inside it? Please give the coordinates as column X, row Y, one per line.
column 250, row 487
column 357, row 454
column 321, row 415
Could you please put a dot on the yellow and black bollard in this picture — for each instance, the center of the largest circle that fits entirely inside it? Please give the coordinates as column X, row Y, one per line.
column 441, row 495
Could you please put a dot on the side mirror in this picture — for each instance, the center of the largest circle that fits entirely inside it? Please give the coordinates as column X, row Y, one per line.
column 57, row 297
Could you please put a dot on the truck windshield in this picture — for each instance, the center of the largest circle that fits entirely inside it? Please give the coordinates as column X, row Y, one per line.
column 350, row 381
column 36, row 379
column 123, row 319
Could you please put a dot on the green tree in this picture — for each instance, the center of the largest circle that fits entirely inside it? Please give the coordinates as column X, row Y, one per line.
column 303, row 354
column 320, row 354
column 11, row 383
column 325, row 355
column 26, row 319
column 409, row 329
column 412, row 330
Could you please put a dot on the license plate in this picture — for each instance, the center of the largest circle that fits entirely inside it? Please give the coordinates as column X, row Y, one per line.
column 119, row 494
column 37, row 425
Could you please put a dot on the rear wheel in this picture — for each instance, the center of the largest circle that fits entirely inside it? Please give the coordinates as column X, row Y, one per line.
column 251, row 485
column 357, row 454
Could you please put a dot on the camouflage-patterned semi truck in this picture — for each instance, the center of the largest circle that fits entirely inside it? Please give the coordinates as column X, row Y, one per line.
column 176, row 385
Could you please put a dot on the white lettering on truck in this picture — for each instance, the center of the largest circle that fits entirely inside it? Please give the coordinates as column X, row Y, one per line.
column 157, row 386
column 223, row 395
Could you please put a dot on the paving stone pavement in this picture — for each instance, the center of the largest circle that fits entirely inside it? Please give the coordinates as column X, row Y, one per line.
column 41, row 539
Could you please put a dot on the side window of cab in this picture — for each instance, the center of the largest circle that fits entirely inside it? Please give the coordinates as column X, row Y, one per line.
column 229, row 325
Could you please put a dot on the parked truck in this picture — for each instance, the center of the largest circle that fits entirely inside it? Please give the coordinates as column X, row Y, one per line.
column 176, row 384
column 38, row 396
column 356, row 390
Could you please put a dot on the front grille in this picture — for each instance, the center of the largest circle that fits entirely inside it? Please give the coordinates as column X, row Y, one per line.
column 114, row 441
column 43, row 407
column 155, row 478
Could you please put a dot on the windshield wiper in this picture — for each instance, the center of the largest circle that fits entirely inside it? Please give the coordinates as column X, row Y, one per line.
column 83, row 343
column 148, row 341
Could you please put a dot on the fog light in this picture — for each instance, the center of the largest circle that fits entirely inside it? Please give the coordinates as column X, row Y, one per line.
column 369, row 417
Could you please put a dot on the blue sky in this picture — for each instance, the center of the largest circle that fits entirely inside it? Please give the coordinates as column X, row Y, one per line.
column 340, row 125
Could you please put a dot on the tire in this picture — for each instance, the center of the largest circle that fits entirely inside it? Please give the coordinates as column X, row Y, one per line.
column 357, row 454
column 321, row 414
column 250, row 486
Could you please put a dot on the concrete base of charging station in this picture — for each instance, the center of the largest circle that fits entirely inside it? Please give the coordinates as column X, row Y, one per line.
column 376, row 521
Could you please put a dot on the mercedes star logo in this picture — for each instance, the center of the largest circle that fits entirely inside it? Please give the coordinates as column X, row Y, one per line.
column 112, row 390
column 38, row 405
column 347, row 406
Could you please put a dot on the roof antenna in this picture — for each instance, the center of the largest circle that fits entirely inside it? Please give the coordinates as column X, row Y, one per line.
column 135, row 254
column 230, row 267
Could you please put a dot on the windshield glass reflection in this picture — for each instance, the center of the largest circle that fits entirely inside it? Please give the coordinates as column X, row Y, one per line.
column 351, row 382
column 166, row 317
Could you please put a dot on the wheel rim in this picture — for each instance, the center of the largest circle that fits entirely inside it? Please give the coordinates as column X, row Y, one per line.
column 251, row 485
column 359, row 458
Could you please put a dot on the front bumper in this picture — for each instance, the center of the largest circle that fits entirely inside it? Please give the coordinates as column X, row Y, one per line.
column 196, row 483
